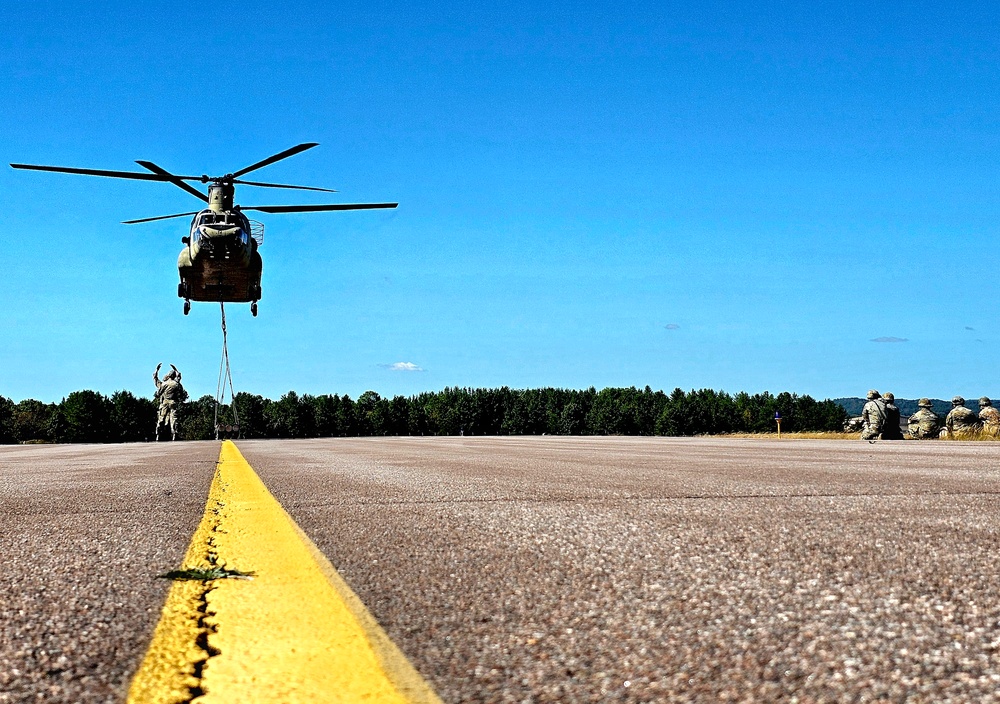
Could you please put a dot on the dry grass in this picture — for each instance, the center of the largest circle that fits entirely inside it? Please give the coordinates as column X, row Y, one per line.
column 983, row 435
column 980, row 436
column 804, row 435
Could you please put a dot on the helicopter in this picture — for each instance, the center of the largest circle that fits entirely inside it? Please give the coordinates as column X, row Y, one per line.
column 220, row 261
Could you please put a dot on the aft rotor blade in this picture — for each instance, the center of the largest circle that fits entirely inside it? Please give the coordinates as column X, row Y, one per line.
column 92, row 172
column 282, row 185
column 176, row 180
column 316, row 208
column 277, row 157
column 159, row 217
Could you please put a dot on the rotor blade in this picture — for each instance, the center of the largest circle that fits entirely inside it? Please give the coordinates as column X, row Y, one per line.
column 92, row 172
column 277, row 157
column 281, row 185
column 316, row 208
column 176, row 180
column 159, row 217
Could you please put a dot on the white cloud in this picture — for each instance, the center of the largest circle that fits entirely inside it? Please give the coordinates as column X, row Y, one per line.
column 402, row 367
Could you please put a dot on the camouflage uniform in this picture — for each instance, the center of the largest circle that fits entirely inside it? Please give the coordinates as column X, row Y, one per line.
column 989, row 416
column 960, row 420
column 170, row 394
column 891, row 429
column 873, row 416
column 854, row 424
column 924, row 424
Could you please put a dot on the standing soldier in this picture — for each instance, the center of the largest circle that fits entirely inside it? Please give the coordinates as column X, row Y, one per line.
column 891, row 430
column 170, row 394
column 989, row 416
column 873, row 416
column 924, row 424
column 960, row 420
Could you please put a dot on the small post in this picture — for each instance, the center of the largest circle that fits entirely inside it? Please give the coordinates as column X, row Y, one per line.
column 777, row 419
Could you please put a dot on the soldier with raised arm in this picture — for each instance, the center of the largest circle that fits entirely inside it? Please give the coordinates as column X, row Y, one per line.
column 171, row 395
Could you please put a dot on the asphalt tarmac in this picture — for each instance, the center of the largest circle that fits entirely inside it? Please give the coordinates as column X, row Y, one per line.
column 84, row 532
column 547, row 569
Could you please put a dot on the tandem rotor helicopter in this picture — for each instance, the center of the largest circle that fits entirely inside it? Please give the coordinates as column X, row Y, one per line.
column 220, row 261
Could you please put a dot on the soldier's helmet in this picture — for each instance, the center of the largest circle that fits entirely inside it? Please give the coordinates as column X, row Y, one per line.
column 889, row 396
column 957, row 401
column 924, row 403
column 985, row 401
column 872, row 393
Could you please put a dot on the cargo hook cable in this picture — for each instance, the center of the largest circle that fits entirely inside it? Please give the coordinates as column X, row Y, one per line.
column 225, row 379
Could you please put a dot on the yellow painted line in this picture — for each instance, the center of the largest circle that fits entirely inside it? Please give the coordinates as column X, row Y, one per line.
column 295, row 632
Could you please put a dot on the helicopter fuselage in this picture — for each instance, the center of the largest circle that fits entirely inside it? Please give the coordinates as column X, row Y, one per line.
column 220, row 261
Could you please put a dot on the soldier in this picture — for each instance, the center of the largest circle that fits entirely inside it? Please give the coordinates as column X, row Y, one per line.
column 989, row 416
column 891, row 429
column 170, row 394
column 854, row 424
column 924, row 424
column 960, row 420
column 873, row 416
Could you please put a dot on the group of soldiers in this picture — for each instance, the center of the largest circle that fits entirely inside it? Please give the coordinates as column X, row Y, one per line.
column 880, row 419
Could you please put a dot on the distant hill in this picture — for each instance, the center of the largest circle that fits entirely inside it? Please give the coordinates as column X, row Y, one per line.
column 907, row 407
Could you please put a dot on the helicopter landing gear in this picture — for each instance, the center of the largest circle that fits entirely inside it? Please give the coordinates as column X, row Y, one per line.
column 253, row 309
column 187, row 307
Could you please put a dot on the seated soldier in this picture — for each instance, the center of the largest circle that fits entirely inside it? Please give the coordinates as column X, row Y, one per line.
column 989, row 416
column 891, row 429
column 924, row 424
column 960, row 421
column 873, row 416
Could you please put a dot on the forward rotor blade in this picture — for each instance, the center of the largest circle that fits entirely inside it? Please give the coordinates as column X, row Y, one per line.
column 92, row 172
column 277, row 157
column 282, row 185
column 316, row 208
column 176, row 180
column 159, row 217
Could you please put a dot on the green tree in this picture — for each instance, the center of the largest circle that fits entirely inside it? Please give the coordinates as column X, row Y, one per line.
column 370, row 411
column 31, row 420
column 615, row 412
column 196, row 419
column 291, row 416
column 133, row 419
column 88, row 417
column 701, row 412
column 251, row 410
column 347, row 417
column 398, row 416
column 7, row 432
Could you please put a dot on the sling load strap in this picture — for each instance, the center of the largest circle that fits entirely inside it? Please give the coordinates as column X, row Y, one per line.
column 225, row 382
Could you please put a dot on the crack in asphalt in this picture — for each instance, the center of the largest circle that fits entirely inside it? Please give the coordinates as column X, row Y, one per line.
column 205, row 613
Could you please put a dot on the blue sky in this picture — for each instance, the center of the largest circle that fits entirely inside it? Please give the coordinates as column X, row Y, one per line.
column 794, row 196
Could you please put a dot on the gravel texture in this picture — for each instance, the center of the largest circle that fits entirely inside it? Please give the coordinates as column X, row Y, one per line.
column 84, row 532
column 649, row 570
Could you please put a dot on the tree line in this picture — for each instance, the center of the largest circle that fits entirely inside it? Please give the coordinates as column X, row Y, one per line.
column 88, row 416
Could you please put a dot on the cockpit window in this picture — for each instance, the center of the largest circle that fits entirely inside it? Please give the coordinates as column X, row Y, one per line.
column 209, row 217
